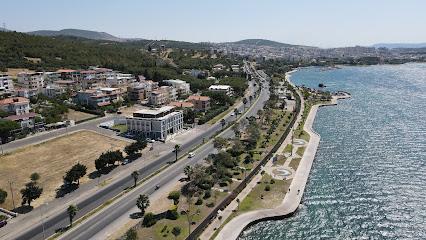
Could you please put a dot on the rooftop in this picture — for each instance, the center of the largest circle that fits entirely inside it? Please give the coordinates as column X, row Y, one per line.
column 221, row 87
column 155, row 111
column 14, row 100
column 196, row 97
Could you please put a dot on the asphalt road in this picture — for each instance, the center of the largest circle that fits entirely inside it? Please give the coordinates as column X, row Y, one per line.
column 60, row 220
column 100, row 221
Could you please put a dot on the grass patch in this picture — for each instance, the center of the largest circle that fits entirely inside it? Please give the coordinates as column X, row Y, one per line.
column 300, row 151
column 288, row 148
column 121, row 127
column 295, row 163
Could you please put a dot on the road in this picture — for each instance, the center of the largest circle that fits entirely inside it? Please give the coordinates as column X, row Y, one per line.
column 59, row 219
column 122, row 206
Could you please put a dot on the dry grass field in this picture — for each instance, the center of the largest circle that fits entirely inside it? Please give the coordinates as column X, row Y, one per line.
column 78, row 116
column 51, row 160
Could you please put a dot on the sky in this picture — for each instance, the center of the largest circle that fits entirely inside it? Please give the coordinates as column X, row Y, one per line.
column 323, row 23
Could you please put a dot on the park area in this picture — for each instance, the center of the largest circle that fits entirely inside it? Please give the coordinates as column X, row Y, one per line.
column 78, row 116
column 51, row 159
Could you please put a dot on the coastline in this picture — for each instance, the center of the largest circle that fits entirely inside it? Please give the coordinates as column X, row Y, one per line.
column 292, row 199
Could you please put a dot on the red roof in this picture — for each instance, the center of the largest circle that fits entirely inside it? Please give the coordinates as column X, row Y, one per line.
column 103, row 104
column 14, row 100
column 21, row 117
column 201, row 98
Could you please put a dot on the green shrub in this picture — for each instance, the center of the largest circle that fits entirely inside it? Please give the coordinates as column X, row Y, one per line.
column 210, row 204
column 172, row 214
column 149, row 220
column 199, row 201
column 207, row 194
column 272, row 181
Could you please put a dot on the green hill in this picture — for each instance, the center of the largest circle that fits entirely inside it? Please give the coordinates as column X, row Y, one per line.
column 263, row 42
column 78, row 33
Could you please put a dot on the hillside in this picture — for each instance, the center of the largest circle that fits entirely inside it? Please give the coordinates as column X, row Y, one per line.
column 78, row 33
column 263, row 42
column 400, row 45
column 68, row 52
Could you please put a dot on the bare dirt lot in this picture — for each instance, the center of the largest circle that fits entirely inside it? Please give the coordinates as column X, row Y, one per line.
column 51, row 160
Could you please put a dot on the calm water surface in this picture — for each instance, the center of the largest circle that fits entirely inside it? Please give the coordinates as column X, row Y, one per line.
column 368, row 180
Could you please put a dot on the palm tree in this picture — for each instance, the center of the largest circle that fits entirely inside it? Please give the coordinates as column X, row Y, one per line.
column 236, row 112
column 135, row 176
column 188, row 171
column 72, row 211
column 142, row 203
column 177, row 148
column 223, row 123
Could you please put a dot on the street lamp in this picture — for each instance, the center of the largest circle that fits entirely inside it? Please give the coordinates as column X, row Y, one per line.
column 42, row 220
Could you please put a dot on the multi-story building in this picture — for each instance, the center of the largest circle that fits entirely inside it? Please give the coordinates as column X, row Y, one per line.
column 182, row 87
column 222, row 89
column 19, row 110
column 162, row 95
column 6, row 84
column 98, row 97
column 136, row 92
column 31, row 81
column 201, row 103
column 156, row 123
column 52, row 90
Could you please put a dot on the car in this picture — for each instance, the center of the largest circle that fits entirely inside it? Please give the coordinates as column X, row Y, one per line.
column 191, row 154
column 3, row 223
column 151, row 141
column 232, row 114
column 126, row 161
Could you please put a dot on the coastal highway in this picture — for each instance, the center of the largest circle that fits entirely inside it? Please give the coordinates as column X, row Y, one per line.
column 60, row 219
column 97, row 223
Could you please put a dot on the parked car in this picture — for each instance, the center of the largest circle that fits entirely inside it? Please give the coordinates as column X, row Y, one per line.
column 3, row 223
column 191, row 154
column 126, row 161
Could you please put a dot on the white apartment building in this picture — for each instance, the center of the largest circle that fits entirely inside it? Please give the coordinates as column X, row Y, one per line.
column 157, row 123
column 222, row 89
column 181, row 86
column 6, row 84
column 19, row 109
column 31, row 81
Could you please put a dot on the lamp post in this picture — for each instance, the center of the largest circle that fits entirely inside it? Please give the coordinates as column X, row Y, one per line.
column 42, row 220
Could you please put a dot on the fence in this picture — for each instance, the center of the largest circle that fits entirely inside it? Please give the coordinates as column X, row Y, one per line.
column 203, row 225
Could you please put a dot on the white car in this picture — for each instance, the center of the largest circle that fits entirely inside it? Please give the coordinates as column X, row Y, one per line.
column 191, row 154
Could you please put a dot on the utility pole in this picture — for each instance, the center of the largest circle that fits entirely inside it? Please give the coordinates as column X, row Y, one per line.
column 11, row 191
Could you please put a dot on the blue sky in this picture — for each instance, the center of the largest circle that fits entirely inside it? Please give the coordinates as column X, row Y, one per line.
column 324, row 23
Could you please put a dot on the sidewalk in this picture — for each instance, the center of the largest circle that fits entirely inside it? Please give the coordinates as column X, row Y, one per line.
column 216, row 223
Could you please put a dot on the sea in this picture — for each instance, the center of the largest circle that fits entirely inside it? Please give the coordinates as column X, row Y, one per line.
column 368, row 180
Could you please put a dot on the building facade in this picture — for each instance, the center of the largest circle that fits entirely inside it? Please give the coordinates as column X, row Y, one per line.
column 156, row 123
column 6, row 84
column 19, row 110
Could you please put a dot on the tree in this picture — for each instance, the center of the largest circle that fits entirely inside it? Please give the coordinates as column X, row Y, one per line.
column 6, row 126
column 188, row 171
column 222, row 123
column 174, row 195
column 236, row 112
column 131, row 234
column 31, row 192
column 34, row 177
column 135, row 176
column 72, row 211
column 3, row 196
column 142, row 203
column 132, row 149
column 245, row 102
column 75, row 173
column 220, row 142
column 176, row 232
column 176, row 149
column 236, row 129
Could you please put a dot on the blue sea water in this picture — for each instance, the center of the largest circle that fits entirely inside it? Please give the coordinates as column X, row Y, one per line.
column 368, row 180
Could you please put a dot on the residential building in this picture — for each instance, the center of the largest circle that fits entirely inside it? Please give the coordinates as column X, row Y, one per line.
column 26, row 93
column 162, row 95
column 221, row 88
column 19, row 110
column 218, row 67
column 182, row 87
column 136, row 92
column 31, row 81
column 158, row 123
column 182, row 104
column 98, row 97
column 69, row 74
column 201, row 103
column 6, row 84
column 52, row 90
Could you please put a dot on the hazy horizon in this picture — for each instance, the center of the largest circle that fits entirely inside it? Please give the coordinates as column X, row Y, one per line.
column 329, row 23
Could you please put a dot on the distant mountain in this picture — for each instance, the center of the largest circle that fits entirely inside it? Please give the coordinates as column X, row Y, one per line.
column 79, row 33
column 400, row 45
column 263, row 42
